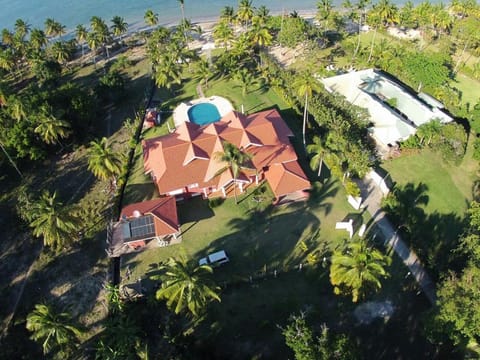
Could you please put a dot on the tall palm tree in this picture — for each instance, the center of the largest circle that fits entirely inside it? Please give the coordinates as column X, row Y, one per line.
column 93, row 43
column 305, row 84
column 81, row 34
column 119, row 26
column 223, row 33
column 38, row 39
column 50, row 219
column 245, row 12
column 228, row 14
column 261, row 15
column 60, row 52
column 21, row 29
column 387, row 12
column 101, row 32
column 53, row 329
column 203, row 71
column 54, row 28
column 7, row 37
column 168, row 71
column 260, row 36
column 151, row 18
column 104, row 162
column 358, row 269
column 51, row 129
column 187, row 287
column 246, row 79
column 318, row 151
column 235, row 160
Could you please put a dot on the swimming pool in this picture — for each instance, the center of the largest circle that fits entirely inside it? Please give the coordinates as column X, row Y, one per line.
column 203, row 114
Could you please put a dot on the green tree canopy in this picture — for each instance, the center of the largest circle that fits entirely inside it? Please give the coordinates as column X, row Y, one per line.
column 49, row 218
column 104, row 162
column 54, row 330
column 187, row 287
column 358, row 269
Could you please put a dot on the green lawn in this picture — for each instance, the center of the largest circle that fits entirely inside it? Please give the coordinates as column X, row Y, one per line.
column 469, row 87
column 449, row 186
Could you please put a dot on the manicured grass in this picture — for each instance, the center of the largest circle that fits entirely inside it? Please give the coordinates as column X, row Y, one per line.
column 470, row 89
column 254, row 238
column 449, row 186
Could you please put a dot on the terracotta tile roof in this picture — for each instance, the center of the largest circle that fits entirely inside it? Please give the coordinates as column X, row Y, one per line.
column 186, row 158
column 286, row 178
column 163, row 210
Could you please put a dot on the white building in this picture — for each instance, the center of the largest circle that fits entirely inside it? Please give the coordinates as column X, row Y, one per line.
column 395, row 111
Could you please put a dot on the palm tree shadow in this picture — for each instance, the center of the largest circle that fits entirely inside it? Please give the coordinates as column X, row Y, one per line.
column 319, row 193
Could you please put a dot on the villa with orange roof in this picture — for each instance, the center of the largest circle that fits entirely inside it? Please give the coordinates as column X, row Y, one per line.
column 185, row 162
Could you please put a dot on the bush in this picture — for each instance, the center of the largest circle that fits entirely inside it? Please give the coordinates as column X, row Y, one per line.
column 476, row 149
column 215, row 202
column 352, row 188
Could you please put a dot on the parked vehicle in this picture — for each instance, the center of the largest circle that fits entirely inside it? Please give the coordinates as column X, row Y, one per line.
column 214, row 259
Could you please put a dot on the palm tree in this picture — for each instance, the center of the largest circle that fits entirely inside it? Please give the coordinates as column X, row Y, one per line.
column 119, row 26
column 21, row 29
column 60, row 52
column 260, row 36
column 49, row 128
column 387, row 12
column 182, row 8
column 103, row 161
column 7, row 37
column 38, row 39
column 53, row 28
column 50, row 219
column 223, row 33
column 235, row 160
column 54, row 330
column 305, row 84
column 168, row 71
column 81, row 34
column 228, row 14
column 245, row 11
column 101, row 32
column 246, row 79
column 429, row 131
column 358, row 269
column 261, row 15
column 7, row 60
column 187, row 287
column 318, row 150
column 203, row 71
column 93, row 43
column 151, row 18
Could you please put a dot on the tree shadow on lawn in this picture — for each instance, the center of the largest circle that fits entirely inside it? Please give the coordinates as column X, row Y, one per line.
column 263, row 240
column 193, row 210
column 432, row 235
column 139, row 192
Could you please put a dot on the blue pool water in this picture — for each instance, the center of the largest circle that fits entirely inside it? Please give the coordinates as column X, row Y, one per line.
column 203, row 114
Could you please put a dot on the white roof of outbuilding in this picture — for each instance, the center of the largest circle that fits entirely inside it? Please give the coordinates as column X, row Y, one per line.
column 371, row 90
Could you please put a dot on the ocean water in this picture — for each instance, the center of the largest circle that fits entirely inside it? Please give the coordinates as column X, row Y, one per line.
column 73, row 12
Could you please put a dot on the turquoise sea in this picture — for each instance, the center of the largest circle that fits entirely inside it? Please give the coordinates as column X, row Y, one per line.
column 74, row 12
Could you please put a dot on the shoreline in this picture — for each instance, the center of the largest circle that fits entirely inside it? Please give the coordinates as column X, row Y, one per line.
column 206, row 23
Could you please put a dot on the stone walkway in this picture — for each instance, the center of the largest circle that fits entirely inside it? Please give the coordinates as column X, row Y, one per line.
column 373, row 197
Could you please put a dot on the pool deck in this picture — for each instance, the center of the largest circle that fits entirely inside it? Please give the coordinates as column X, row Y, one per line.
column 180, row 114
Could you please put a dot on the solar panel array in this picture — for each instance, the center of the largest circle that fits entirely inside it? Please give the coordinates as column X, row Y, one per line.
column 142, row 227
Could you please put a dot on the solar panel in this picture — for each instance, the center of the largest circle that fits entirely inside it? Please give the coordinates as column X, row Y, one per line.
column 142, row 227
